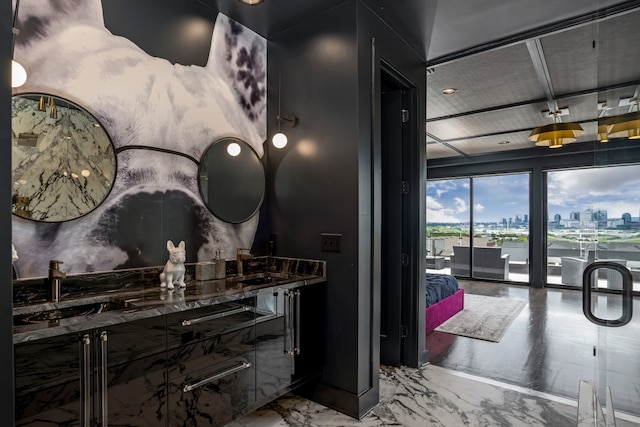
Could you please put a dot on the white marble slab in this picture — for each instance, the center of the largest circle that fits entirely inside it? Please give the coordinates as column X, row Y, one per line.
column 430, row 396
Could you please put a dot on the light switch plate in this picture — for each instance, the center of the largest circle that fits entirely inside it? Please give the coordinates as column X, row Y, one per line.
column 331, row 242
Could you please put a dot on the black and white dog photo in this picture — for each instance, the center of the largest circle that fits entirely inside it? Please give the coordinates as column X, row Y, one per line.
column 161, row 117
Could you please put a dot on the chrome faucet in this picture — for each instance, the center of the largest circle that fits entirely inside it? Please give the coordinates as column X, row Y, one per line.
column 55, row 279
column 240, row 257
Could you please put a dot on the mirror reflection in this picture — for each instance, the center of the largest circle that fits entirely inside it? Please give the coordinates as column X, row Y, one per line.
column 63, row 161
column 232, row 180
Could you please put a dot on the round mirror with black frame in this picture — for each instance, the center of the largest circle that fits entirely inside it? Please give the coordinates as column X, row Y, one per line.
column 63, row 163
column 231, row 180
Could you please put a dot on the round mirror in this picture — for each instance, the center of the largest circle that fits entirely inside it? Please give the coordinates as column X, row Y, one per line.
column 62, row 160
column 232, row 180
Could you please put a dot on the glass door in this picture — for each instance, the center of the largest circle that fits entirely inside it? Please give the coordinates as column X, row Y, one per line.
column 610, row 218
column 611, row 390
column 487, row 213
column 500, row 212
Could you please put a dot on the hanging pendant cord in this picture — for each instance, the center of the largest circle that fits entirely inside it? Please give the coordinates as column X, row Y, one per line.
column 14, row 30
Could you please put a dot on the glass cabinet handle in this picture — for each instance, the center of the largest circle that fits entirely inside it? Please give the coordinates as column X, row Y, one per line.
column 188, row 322
column 296, row 346
column 239, row 367
column 85, row 347
column 103, row 378
column 289, row 314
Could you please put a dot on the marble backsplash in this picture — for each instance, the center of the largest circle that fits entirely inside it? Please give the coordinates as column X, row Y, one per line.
column 35, row 290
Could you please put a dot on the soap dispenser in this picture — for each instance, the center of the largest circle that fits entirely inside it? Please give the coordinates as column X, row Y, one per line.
column 220, row 266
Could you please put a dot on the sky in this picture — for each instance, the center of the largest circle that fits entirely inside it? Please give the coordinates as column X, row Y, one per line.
column 614, row 189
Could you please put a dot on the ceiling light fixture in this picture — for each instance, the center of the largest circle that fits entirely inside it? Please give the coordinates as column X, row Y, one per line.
column 279, row 140
column 252, row 2
column 556, row 134
column 626, row 125
column 449, row 91
column 18, row 73
column 604, row 127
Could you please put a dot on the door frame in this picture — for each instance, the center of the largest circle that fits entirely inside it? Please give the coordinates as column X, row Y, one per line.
column 412, row 310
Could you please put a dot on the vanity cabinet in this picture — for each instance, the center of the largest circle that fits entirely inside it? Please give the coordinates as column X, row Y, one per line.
column 211, row 363
column 203, row 366
column 112, row 375
column 289, row 340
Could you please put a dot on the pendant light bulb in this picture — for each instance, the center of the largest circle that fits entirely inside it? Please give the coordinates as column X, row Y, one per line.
column 18, row 74
column 234, row 149
column 279, row 140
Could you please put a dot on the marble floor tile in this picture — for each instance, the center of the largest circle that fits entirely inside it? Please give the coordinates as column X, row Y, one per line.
column 430, row 396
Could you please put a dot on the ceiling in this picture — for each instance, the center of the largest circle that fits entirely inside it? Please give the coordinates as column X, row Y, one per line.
column 504, row 90
column 509, row 61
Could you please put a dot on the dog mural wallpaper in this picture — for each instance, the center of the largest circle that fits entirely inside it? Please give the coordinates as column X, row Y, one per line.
column 161, row 117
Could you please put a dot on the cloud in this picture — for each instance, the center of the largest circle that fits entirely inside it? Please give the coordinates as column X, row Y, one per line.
column 460, row 205
column 444, row 186
column 614, row 189
column 478, row 207
column 434, row 216
column 434, row 203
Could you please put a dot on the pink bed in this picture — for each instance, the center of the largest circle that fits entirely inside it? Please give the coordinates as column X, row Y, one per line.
column 442, row 310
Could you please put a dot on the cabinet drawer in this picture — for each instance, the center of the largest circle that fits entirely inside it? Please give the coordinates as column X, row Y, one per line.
column 213, row 396
column 206, row 322
column 199, row 355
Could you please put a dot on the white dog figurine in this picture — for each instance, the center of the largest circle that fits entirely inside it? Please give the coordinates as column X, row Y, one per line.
column 174, row 268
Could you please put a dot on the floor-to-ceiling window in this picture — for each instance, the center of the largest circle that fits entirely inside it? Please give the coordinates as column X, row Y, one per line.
column 448, row 220
column 593, row 214
column 487, row 213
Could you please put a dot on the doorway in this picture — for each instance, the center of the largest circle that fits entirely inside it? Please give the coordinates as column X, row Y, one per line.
column 399, row 218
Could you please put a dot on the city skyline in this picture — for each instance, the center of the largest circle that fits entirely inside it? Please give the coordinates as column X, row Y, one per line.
column 613, row 189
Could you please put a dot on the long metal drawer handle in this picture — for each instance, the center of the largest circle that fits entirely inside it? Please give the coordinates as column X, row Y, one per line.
column 289, row 309
column 103, row 379
column 296, row 347
column 241, row 366
column 188, row 322
column 86, row 380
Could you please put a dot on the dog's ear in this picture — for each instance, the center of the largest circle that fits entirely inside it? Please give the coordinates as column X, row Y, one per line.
column 181, row 245
column 170, row 245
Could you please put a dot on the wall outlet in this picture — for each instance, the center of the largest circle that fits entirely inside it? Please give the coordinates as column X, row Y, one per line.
column 330, row 242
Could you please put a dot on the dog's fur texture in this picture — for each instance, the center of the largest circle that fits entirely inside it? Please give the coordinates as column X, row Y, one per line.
column 173, row 271
column 144, row 101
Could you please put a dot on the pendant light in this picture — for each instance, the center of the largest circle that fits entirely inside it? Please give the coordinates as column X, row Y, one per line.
column 626, row 125
column 279, row 140
column 556, row 134
column 18, row 73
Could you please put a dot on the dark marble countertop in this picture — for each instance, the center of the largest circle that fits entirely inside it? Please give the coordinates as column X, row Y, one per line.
column 138, row 295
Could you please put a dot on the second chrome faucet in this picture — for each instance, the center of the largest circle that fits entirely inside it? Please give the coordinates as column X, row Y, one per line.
column 55, row 279
column 241, row 255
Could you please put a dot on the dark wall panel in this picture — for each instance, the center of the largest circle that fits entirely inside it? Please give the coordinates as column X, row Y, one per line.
column 6, row 291
column 324, row 181
column 177, row 31
column 313, row 180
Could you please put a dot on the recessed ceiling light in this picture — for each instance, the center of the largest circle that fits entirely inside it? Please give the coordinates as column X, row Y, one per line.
column 449, row 91
column 252, row 1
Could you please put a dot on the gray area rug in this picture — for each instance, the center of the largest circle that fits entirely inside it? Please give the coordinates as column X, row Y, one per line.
column 484, row 318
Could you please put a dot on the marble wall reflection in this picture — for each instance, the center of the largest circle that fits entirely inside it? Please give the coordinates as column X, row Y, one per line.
column 63, row 161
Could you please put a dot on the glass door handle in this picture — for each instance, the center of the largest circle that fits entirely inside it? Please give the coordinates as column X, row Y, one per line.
column 627, row 294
